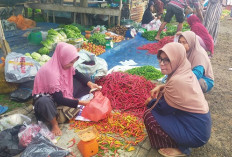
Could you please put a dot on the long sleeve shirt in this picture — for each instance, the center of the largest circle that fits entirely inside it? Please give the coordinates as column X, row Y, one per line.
column 62, row 101
column 199, row 72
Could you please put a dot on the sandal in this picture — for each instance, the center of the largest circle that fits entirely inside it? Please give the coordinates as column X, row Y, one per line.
column 167, row 155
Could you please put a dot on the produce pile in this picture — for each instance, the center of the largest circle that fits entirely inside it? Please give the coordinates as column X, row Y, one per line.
column 225, row 12
column 118, row 131
column 150, row 35
column 120, row 30
column 96, row 49
column 55, row 36
column 126, row 92
column 149, row 72
column 154, row 47
column 170, row 31
column 98, row 39
column 116, row 38
column 36, row 56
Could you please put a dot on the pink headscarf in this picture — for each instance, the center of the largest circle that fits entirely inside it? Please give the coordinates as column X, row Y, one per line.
column 52, row 77
column 197, row 54
column 182, row 90
column 200, row 30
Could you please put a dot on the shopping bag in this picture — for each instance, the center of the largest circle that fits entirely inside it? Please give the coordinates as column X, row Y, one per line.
column 20, row 68
column 98, row 108
column 91, row 66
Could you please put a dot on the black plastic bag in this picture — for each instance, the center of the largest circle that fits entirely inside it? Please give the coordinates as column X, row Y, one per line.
column 9, row 142
column 23, row 93
column 41, row 146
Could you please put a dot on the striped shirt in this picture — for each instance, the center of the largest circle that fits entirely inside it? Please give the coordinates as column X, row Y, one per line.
column 184, row 3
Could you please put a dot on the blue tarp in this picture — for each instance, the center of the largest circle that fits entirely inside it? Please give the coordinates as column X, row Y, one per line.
column 20, row 44
column 125, row 50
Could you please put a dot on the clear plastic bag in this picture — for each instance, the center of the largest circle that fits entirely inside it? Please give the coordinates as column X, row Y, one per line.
column 28, row 132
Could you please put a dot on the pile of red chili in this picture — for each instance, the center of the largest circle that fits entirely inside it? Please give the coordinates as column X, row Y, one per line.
column 118, row 131
column 126, row 92
column 154, row 47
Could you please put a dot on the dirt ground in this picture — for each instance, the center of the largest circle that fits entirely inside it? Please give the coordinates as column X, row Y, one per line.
column 220, row 97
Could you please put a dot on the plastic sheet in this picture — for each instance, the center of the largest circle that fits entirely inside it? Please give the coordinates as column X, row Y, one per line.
column 127, row 50
column 18, row 41
column 9, row 142
column 41, row 146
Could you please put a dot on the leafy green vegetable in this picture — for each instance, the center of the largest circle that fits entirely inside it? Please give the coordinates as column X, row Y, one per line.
column 44, row 58
column 43, row 50
column 28, row 55
column 98, row 39
column 150, row 35
column 35, row 56
column 149, row 72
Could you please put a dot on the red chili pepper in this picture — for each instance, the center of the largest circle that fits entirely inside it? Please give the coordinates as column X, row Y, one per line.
column 73, row 142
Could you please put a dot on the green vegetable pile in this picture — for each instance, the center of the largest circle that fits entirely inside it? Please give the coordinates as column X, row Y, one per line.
column 54, row 36
column 150, row 35
column 98, row 39
column 171, row 30
column 149, row 72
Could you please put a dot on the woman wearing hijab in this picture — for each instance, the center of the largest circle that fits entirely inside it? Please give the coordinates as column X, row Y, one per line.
column 212, row 18
column 179, row 118
column 57, row 84
column 149, row 21
column 199, row 29
column 200, row 62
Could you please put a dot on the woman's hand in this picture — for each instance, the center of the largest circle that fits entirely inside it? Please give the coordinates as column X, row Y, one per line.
column 155, row 92
column 84, row 103
column 93, row 85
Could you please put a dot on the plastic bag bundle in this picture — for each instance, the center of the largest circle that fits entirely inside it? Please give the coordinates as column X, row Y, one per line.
column 20, row 68
column 28, row 132
column 41, row 146
column 90, row 65
column 21, row 22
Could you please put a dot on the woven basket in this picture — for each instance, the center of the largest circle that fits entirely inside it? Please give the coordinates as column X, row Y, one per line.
column 6, row 87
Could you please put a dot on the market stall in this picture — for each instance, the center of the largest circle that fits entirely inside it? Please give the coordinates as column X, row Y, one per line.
column 74, row 7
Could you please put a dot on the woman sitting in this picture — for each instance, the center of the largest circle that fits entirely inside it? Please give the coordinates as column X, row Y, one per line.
column 57, row 84
column 149, row 21
column 179, row 119
column 199, row 60
column 199, row 29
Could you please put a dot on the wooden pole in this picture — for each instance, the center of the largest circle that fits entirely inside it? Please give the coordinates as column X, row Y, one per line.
column 74, row 14
column 120, row 8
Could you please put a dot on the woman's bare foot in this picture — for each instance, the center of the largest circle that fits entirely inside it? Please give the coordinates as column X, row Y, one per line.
column 170, row 152
column 157, row 38
column 55, row 127
column 56, row 130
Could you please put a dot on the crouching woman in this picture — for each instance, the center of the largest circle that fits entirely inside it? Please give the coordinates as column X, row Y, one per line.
column 179, row 119
column 58, row 86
